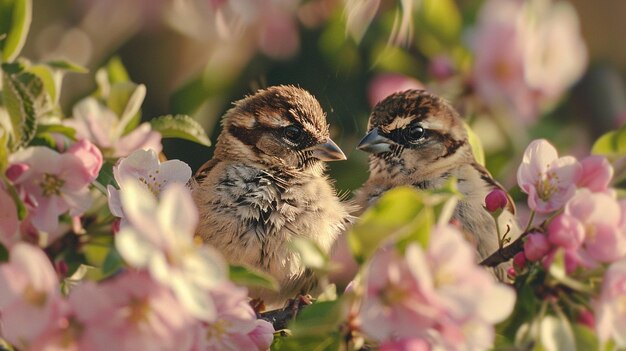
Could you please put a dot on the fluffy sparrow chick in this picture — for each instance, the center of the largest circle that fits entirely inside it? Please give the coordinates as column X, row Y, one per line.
column 416, row 138
column 266, row 186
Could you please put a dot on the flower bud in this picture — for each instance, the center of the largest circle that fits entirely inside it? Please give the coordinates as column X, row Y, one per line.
column 536, row 246
column 15, row 170
column 496, row 200
column 519, row 261
column 566, row 231
column 90, row 157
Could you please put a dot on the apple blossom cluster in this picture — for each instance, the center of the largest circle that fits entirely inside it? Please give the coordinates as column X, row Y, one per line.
column 527, row 54
column 426, row 298
column 585, row 229
column 172, row 293
column 175, row 293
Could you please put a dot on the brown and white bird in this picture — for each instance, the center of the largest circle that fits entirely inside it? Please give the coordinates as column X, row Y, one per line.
column 265, row 186
column 416, row 138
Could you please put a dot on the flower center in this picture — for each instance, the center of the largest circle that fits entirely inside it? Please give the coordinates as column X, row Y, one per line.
column 138, row 309
column 217, row 330
column 547, row 186
column 151, row 182
column 34, row 296
column 393, row 294
column 51, row 185
column 71, row 331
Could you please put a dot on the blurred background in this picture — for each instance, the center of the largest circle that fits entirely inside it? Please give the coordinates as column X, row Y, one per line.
column 517, row 70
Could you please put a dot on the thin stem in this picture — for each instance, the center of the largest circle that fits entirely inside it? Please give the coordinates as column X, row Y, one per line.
column 530, row 221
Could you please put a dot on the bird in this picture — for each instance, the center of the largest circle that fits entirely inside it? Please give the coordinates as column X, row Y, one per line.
column 266, row 186
column 416, row 138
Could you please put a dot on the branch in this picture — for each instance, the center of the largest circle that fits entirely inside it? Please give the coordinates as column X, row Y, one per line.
column 506, row 253
column 281, row 317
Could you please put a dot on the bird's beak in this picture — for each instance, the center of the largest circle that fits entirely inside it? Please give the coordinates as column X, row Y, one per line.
column 328, row 151
column 375, row 143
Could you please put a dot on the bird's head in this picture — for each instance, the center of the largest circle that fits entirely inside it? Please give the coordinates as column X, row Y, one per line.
column 281, row 127
column 414, row 133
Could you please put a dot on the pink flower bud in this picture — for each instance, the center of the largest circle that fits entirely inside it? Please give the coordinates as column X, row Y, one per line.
column 496, row 200
column 586, row 318
column 519, row 261
column 511, row 273
column 90, row 156
column 536, row 246
column 15, row 170
column 566, row 231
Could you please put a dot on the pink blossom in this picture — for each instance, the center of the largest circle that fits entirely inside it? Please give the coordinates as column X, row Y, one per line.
column 278, row 37
column 610, row 313
column 600, row 215
column 536, row 246
column 9, row 222
column 405, row 345
column 158, row 237
column 52, row 184
column 499, row 73
column 386, row 84
column 497, row 199
column 527, row 54
column 236, row 327
column 29, row 292
column 548, row 180
column 131, row 312
column 431, row 295
column 143, row 166
column 90, row 156
column 596, row 174
column 566, row 231
column 95, row 122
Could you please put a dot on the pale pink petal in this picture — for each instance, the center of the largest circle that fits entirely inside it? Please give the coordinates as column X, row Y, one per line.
column 141, row 137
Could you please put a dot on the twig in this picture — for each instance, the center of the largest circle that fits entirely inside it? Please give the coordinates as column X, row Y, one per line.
column 506, row 253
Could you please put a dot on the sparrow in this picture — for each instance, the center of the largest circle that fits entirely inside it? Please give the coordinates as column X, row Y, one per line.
column 265, row 186
column 417, row 139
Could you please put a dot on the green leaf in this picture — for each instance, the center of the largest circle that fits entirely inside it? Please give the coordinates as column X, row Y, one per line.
column 476, row 144
column 125, row 99
column 113, row 262
column 4, row 254
column 57, row 129
column 180, row 126
column 252, row 278
column 106, row 177
column 116, row 71
column 391, row 216
column 612, row 144
column 586, row 339
column 319, row 319
column 329, row 342
column 4, row 148
column 25, row 99
column 46, row 75
column 311, row 254
column 66, row 66
column 438, row 26
column 15, row 18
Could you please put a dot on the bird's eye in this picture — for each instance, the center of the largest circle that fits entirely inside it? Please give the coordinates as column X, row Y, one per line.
column 416, row 133
column 293, row 134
